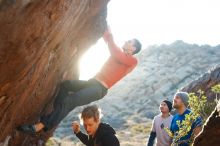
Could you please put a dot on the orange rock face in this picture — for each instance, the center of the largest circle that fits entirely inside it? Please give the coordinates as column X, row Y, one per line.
column 40, row 45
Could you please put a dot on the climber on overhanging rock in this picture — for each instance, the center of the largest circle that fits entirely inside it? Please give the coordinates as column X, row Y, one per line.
column 75, row 93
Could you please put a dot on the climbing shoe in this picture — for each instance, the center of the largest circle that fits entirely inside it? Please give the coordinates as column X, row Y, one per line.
column 29, row 129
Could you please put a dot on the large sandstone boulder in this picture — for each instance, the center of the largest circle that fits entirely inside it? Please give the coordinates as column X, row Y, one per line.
column 40, row 45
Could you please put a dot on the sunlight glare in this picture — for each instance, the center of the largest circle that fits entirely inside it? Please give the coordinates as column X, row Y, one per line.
column 92, row 61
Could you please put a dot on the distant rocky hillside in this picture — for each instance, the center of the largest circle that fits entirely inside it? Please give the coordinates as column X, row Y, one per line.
column 133, row 102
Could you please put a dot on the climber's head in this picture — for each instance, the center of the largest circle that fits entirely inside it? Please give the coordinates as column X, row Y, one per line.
column 132, row 46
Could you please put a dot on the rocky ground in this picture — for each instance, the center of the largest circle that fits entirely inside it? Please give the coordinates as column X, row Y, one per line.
column 132, row 103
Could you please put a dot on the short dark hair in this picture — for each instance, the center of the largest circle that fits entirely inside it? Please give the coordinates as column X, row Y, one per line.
column 137, row 45
column 91, row 112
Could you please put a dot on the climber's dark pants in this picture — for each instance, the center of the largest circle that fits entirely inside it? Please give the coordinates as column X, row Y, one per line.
column 72, row 94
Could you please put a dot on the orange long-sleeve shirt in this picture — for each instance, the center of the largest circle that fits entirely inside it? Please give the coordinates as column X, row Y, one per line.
column 117, row 66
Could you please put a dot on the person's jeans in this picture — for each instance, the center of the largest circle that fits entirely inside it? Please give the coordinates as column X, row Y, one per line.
column 72, row 94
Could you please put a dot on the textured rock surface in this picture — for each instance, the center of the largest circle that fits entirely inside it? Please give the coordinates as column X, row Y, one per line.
column 211, row 131
column 40, row 43
column 131, row 104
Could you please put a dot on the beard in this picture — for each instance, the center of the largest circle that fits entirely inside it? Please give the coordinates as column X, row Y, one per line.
column 175, row 106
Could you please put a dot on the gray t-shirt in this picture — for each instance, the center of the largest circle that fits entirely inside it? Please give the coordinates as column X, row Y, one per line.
column 159, row 124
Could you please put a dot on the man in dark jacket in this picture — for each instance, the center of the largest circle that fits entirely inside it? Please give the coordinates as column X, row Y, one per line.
column 99, row 134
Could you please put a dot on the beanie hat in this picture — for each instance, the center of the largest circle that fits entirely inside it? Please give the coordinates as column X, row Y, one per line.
column 184, row 96
column 169, row 104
